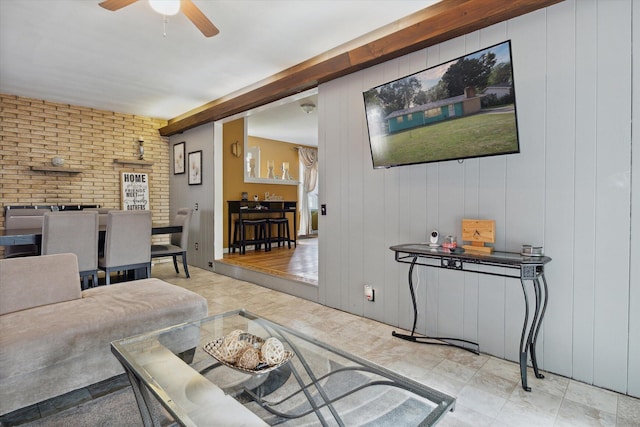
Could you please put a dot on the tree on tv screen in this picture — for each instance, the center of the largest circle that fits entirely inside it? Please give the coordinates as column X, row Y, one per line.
column 467, row 72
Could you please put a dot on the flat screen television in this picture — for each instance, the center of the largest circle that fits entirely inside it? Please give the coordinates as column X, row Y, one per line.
column 457, row 110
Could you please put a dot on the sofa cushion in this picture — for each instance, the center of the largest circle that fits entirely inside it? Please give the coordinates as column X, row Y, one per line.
column 50, row 350
column 39, row 280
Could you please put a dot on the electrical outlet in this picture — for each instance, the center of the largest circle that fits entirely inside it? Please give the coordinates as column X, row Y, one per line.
column 196, row 206
column 210, row 263
column 369, row 293
column 196, row 246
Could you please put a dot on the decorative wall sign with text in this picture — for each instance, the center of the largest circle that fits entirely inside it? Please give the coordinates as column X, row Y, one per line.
column 135, row 191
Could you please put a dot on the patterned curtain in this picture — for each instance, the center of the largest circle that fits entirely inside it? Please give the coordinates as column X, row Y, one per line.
column 309, row 162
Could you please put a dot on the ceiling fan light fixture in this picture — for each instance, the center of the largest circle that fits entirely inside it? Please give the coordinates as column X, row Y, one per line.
column 165, row 7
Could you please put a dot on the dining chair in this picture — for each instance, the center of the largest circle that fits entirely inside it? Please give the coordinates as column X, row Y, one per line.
column 73, row 232
column 102, row 222
column 20, row 219
column 127, row 243
column 102, row 214
column 179, row 242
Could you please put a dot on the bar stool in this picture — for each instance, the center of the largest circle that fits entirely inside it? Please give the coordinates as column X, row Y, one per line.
column 282, row 225
column 261, row 234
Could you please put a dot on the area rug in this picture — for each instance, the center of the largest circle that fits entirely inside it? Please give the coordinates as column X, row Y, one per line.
column 117, row 409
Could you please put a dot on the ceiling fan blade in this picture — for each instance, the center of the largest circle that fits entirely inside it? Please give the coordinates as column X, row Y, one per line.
column 114, row 5
column 198, row 18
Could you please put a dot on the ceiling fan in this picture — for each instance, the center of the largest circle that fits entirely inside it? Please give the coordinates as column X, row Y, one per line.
column 166, row 7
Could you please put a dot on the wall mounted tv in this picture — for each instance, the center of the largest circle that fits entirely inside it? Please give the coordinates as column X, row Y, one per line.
column 460, row 109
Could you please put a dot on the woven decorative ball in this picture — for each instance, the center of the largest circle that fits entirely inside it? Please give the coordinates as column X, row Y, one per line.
column 231, row 347
column 234, row 334
column 248, row 358
column 272, row 351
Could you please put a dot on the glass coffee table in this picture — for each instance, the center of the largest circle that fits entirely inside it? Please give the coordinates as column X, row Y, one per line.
column 317, row 385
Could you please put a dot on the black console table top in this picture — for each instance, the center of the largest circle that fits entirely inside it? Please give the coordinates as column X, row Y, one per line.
column 516, row 266
column 499, row 259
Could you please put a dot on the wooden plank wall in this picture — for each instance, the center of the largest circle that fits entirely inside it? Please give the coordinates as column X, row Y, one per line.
column 184, row 195
column 569, row 190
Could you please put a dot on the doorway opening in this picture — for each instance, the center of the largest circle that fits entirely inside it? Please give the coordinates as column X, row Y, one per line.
column 290, row 122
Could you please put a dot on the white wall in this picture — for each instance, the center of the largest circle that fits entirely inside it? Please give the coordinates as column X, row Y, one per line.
column 568, row 190
column 184, row 195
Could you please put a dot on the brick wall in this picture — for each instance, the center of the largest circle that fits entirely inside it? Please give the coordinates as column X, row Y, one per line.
column 34, row 131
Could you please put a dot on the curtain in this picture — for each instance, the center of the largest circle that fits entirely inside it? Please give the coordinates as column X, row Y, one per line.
column 309, row 163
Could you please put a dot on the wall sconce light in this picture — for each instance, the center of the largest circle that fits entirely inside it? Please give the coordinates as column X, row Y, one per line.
column 235, row 149
column 308, row 107
column 140, row 148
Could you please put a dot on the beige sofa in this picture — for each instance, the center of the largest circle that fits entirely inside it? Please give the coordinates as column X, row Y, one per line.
column 55, row 338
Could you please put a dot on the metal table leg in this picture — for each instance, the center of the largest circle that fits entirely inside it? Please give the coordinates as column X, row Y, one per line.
column 142, row 399
column 532, row 346
column 524, row 345
column 528, row 347
column 430, row 340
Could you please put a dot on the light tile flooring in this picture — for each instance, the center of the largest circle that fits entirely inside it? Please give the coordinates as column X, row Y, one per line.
column 487, row 389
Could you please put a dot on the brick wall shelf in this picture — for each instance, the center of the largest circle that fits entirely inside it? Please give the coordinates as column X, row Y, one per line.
column 133, row 162
column 60, row 169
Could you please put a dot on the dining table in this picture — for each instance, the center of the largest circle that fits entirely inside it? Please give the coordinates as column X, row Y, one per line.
column 33, row 236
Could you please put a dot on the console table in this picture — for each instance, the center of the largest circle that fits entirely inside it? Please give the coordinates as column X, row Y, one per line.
column 517, row 266
column 263, row 208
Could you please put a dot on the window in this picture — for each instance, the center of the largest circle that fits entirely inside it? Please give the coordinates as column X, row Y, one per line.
column 433, row 112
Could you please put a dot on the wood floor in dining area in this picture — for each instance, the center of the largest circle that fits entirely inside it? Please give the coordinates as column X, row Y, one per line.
column 298, row 263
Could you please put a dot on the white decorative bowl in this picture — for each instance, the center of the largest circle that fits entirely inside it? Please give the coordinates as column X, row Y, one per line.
column 57, row 161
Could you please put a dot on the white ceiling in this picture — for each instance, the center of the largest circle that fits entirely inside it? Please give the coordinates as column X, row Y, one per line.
column 75, row 52
column 285, row 120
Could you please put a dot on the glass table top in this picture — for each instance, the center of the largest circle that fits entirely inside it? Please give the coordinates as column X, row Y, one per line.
column 319, row 385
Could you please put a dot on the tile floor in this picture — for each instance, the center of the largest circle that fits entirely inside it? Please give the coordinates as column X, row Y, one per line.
column 487, row 389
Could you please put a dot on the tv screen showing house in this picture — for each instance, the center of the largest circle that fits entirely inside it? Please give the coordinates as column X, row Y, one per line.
column 460, row 109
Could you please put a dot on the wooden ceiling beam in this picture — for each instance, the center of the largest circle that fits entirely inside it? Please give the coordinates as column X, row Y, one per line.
column 435, row 24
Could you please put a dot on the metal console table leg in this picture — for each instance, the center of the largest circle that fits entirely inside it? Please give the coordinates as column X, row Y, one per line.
column 532, row 347
column 426, row 339
column 528, row 348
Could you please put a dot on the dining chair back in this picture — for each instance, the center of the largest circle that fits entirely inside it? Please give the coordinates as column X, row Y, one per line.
column 127, row 243
column 102, row 222
column 23, row 218
column 179, row 242
column 102, row 214
column 73, row 232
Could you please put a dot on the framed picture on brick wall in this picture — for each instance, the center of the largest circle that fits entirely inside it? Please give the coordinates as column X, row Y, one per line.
column 195, row 167
column 135, row 191
column 178, row 158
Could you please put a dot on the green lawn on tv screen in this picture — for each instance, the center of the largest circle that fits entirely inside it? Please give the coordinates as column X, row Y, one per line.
column 472, row 136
